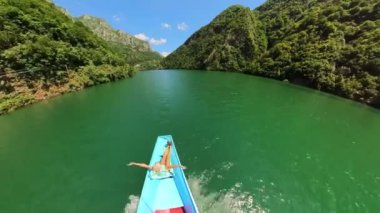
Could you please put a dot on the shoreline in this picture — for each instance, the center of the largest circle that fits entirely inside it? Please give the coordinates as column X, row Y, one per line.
column 299, row 82
column 26, row 97
column 26, row 91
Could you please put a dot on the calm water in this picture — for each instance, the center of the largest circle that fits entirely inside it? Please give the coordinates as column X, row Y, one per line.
column 250, row 145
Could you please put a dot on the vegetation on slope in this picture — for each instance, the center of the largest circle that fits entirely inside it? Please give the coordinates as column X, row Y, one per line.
column 140, row 60
column 233, row 41
column 44, row 52
column 101, row 28
column 329, row 45
column 332, row 45
column 136, row 51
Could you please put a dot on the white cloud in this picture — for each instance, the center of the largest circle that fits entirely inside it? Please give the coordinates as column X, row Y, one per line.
column 182, row 26
column 152, row 41
column 166, row 26
column 142, row 36
column 116, row 18
column 160, row 41
column 165, row 53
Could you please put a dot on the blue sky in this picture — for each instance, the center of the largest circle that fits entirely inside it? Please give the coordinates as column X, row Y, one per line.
column 166, row 24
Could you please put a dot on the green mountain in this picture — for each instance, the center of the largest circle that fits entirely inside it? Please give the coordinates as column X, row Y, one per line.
column 44, row 52
column 137, row 52
column 329, row 45
column 234, row 41
column 34, row 34
column 101, row 28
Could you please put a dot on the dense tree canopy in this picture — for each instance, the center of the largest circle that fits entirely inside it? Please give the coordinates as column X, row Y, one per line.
column 34, row 34
column 233, row 41
column 329, row 45
column 45, row 52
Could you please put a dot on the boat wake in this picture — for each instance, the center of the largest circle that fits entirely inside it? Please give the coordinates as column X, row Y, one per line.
column 232, row 200
column 131, row 206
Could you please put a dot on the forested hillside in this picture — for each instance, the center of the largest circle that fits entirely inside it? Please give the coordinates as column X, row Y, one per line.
column 101, row 28
column 328, row 45
column 44, row 52
column 137, row 52
column 234, row 41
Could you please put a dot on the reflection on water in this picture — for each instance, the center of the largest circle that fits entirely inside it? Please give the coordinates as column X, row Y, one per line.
column 231, row 200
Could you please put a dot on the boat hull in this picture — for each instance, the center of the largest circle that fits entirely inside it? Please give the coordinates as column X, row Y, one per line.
column 170, row 194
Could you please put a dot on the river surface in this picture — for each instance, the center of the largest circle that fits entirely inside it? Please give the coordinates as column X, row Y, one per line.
column 250, row 145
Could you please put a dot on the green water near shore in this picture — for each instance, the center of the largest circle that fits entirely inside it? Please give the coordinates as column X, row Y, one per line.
column 250, row 144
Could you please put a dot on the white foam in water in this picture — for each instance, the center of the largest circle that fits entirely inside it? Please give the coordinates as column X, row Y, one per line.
column 131, row 207
column 232, row 200
column 227, row 166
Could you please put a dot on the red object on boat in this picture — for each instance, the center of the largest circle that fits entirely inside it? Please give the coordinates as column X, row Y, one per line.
column 174, row 210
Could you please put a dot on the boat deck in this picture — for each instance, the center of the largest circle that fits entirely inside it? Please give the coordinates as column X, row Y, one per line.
column 175, row 210
column 166, row 194
column 160, row 195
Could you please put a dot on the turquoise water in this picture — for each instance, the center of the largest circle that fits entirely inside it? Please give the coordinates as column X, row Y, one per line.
column 250, row 145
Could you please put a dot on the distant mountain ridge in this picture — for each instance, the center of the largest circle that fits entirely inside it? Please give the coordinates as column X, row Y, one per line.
column 329, row 45
column 137, row 52
column 101, row 28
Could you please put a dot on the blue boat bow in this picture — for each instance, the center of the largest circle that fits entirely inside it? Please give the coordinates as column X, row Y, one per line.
column 169, row 194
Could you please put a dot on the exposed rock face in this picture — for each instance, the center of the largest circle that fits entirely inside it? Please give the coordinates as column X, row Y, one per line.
column 105, row 31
